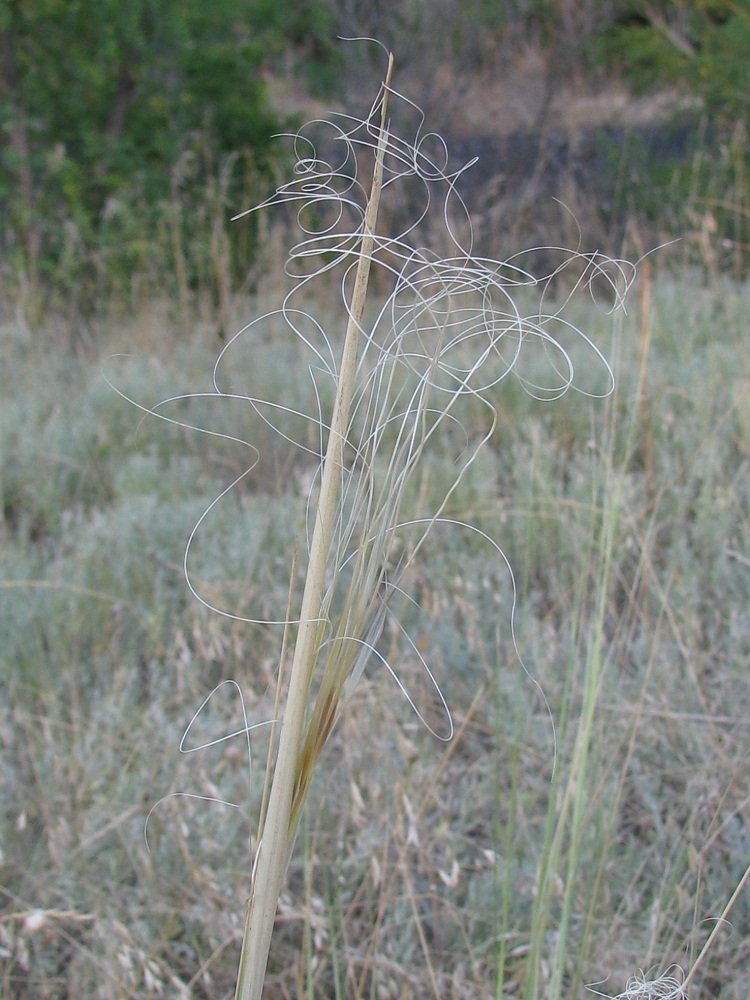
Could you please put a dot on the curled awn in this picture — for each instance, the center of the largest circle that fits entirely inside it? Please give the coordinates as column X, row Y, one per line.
column 430, row 337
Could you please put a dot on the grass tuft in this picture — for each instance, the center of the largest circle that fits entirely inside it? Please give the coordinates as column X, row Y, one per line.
column 589, row 812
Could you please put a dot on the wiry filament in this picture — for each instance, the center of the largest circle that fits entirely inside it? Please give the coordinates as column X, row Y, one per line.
column 448, row 329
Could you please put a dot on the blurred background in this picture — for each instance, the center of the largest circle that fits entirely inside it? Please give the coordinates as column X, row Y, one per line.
column 130, row 132
column 513, row 862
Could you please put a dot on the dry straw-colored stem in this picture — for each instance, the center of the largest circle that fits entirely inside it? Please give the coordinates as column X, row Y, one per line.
column 722, row 922
column 278, row 833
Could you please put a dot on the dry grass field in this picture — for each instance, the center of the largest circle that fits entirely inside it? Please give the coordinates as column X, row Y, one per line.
column 539, row 786
column 588, row 819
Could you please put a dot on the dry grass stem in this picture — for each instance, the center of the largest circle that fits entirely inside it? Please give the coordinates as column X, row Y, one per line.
column 293, row 767
column 408, row 435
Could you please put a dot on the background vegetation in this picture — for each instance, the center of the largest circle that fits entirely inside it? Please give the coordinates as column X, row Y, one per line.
column 464, row 871
column 129, row 134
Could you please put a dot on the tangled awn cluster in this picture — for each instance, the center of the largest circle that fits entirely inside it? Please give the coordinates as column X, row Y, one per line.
column 445, row 334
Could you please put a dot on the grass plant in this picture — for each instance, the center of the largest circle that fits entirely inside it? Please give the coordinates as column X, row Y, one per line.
column 589, row 812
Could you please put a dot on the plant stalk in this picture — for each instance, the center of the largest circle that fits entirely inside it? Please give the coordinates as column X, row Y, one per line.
column 273, row 852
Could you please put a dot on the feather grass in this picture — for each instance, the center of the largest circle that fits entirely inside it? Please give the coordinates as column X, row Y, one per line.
column 419, row 371
column 453, row 331
column 297, row 754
